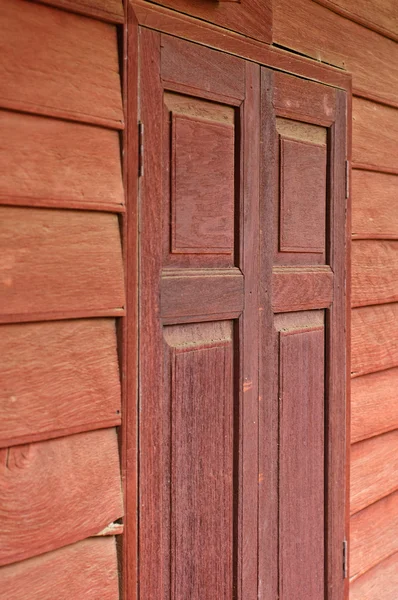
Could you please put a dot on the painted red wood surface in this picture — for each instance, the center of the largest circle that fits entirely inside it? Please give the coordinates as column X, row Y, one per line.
column 374, row 467
column 50, row 162
column 202, row 462
column 374, row 214
column 80, row 54
column 56, row 492
column 301, row 462
column 379, row 583
column 58, row 262
column 205, row 435
column 70, row 379
column 374, row 409
column 105, row 10
column 87, row 569
column 373, row 535
column 374, row 336
column 250, row 17
column 374, row 272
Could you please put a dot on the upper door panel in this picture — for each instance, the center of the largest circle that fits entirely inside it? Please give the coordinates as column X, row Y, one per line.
column 252, row 18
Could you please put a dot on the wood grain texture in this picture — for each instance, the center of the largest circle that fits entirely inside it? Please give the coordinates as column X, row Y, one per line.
column 51, row 162
column 105, row 10
column 374, row 337
column 302, row 222
column 301, row 463
column 330, row 38
column 374, row 272
column 379, row 15
column 295, row 288
column 55, row 261
column 374, row 135
column 183, row 65
column 252, row 18
column 202, row 471
column 186, row 294
column 203, row 164
column 185, row 27
column 374, row 470
column 374, row 205
column 374, row 535
column 374, row 406
column 379, row 583
column 56, row 378
column 57, row 492
column 64, row 65
column 87, row 569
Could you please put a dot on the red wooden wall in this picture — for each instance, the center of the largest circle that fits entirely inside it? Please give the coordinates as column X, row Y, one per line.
column 61, row 293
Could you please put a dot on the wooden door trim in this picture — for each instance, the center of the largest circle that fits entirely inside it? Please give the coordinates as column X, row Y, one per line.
column 182, row 26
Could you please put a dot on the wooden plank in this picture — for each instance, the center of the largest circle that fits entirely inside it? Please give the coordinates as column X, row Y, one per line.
column 374, row 406
column 57, row 261
column 374, row 466
column 374, row 272
column 379, row 583
column 185, row 27
column 374, row 202
column 249, row 17
column 298, row 288
column 57, row 378
column 378, row 15
column 201, row 292
column 374, row 339
column 374, row 135
column 57, row 492
column 105, row 10
column 50, row 162
column 87, row 569
column 301, row 460
column 315, row 31
column 76, row 77
column 202, row 468
column 374, row 535
column 183, row 65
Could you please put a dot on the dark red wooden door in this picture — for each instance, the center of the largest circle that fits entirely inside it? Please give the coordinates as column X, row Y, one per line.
column 242, row 354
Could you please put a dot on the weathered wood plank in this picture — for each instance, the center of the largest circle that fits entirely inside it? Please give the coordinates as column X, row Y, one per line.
column 379, row 583
column 57, row 378
column 201, row 292
column 54, row 261
column 374, row 338
column 374, row 135
column 374, row 272
column 328, row 37
column 374, row 535
column 51, row 162
column 87, row 569
column 295, row 288
column 63, row 64
column 374, row 468
column 374, row 406
column 379, row 15
column 105, row 10
column 57, row 492
column 374, row 205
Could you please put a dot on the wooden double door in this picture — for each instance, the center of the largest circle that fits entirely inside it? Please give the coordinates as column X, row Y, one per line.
column 242, row 329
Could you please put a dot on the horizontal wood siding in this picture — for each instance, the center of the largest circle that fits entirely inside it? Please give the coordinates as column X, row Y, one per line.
column 374, row 205
column 379, row 583
column 63, row 64
column 85, row 570
column 61, row 287
column 49, row 162
column 56, row 492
